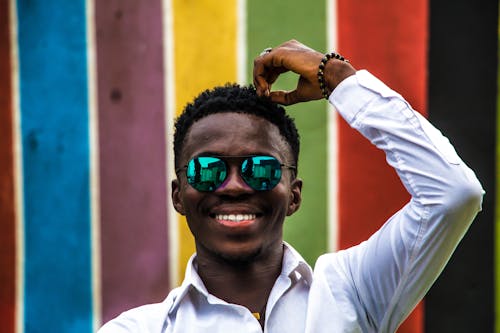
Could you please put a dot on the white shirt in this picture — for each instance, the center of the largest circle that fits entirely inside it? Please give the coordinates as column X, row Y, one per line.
column 370, row 287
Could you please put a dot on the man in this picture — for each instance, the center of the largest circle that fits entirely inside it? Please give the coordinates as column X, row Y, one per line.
column 236, row 156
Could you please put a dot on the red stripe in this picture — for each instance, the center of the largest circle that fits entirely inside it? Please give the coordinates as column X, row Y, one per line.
column 7, row 202
column 132, row 154
column 389, row 38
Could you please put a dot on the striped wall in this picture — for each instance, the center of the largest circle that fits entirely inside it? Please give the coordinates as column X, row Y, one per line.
column 88, row 93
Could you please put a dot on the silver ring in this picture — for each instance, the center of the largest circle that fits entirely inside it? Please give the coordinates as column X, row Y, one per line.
column 266, row 50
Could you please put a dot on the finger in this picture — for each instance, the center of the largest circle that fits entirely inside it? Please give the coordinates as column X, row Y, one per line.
column 265, row 72
column 263, row 83
column 261, row 86
column 259, row 78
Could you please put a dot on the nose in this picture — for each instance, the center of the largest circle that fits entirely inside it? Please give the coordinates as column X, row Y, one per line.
column 234, row 185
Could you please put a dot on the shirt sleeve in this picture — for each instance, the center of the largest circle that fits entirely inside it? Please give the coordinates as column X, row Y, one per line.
column 390, row 272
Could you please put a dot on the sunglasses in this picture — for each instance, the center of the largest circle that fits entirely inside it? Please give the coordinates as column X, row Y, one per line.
column 260, row 172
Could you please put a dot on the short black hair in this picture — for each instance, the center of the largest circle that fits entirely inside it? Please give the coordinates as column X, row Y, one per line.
column 237, row 99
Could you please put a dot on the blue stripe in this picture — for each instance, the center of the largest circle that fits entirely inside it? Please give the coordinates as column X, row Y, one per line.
column 55, row 139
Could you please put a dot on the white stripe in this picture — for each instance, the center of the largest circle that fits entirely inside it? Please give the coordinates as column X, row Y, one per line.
column 169, row 69
column 241, row 43
column 18, row 167
column 95, row 208
column 333, row 201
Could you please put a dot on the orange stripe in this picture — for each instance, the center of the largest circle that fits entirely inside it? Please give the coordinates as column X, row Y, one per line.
column 7, row 195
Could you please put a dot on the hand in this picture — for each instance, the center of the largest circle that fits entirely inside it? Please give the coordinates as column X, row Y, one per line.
column 298, row 58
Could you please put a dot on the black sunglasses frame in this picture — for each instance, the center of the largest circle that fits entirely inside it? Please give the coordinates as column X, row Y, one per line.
column 243, row 159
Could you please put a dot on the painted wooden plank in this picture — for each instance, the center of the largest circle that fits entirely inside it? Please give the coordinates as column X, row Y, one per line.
column 132, row 154
column 271, row 23
column 8, row 279
column 205, row 49
column 383, row 37
column 53, row 99
column 463, row 105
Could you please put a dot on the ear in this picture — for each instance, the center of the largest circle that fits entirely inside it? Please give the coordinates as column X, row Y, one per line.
column 295, row 196
column 176, row 197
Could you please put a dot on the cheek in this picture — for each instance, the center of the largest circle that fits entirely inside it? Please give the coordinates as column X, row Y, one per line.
column 190, row 199
column 279, row 198
column 193, row 216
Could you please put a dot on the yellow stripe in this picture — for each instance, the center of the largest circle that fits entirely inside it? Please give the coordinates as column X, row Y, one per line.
column 205, row 37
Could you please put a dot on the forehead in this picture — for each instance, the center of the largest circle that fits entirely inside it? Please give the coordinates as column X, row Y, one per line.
column 233, row 134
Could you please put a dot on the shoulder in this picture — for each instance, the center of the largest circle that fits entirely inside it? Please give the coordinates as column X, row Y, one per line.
column 338, row 269
column 146, row 318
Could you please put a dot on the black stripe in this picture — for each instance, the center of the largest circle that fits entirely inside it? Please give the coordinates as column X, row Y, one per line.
column 462, row 103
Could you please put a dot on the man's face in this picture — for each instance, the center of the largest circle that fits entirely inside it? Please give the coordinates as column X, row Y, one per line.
column 236, row 134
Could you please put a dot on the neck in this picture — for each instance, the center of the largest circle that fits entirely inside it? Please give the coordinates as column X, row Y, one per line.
column 246, row 283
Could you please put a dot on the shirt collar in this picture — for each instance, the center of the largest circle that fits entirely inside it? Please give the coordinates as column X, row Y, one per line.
column 294, row 267
column 191, row 280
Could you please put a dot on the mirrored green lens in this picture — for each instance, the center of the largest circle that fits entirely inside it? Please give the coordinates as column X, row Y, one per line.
column 262, row 173
column 206, row 173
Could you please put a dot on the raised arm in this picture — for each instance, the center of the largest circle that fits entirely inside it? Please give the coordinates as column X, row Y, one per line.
column 384, row 277
column 394, row 269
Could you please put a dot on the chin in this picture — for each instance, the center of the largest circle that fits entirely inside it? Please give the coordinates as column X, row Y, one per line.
column 240, row 258
column 237, row 256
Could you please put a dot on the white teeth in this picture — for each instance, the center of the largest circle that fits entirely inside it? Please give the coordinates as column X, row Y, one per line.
column 235, row 217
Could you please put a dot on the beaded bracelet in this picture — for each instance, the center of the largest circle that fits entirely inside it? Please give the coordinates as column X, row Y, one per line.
column 321, row 77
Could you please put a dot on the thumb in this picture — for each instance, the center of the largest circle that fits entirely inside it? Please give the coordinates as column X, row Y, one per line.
column 284, row 97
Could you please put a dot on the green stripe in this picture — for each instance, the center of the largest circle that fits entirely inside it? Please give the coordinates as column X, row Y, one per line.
column 271, row 23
